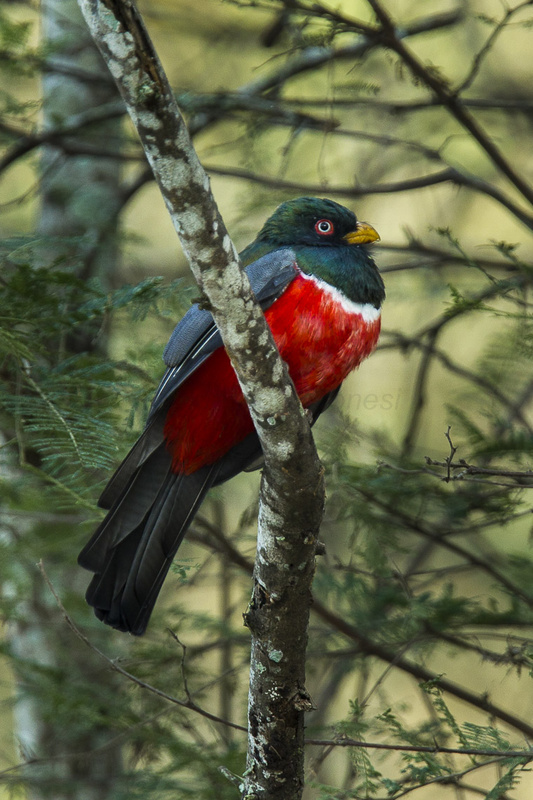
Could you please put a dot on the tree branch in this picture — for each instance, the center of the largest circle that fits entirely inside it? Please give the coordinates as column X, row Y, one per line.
column 385, row 654
column 447, row 175
column 116, row 667
column 527, row 755
column 389, row 37
column 292, row 490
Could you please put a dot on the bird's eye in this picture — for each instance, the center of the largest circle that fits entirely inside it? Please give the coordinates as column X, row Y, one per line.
column 324, row 227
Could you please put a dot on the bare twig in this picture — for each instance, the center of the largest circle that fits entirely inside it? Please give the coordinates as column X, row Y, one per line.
column 488, row 45
column 419, row 394
column 447, row 175
column 418, row 341
column 390, row 38
column 527, row 755
column 115, row 666
column 377, row 650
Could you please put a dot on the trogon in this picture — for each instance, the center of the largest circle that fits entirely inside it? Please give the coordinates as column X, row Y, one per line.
column 321, row 292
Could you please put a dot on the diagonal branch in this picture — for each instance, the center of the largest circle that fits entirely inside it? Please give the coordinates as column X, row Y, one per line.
column 384, row 653
column 292, row 489
column 389, row 37
column 113, row 664
column 446, row 175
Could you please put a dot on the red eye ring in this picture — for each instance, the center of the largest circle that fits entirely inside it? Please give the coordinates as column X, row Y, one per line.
column 324, row 227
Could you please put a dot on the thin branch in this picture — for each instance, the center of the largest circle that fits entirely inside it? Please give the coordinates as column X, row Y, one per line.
column 400, row 107
column 115, row 666
column 453, row 779
column 496, row 289
column 30, row 141
column 447, row 175
column 314, row 57
column 420, row 672
column 488, row 45
column 431, row 257
column 513, row 657
column 390, row 37
column 428, row 347
column 520, row 481
column 367, row 646
column 471, row 469
column 419, row 394
column 407, row 185
column 445, row 542
column 527, row 755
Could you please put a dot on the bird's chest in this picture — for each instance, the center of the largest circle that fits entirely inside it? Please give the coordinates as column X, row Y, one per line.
column 321, row 335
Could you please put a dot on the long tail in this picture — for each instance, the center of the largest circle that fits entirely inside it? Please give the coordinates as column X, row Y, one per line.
column 132, row 550
column 150, row 509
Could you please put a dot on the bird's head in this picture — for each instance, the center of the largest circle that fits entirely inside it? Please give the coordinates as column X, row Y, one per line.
column 315, row 222
column 328, row 242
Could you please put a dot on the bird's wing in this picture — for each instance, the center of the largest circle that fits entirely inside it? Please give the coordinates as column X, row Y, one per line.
column 193, row 340
column 150, row 506
column 196, row 336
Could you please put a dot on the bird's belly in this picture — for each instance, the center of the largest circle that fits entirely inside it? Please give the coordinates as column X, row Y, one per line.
column 320, row 335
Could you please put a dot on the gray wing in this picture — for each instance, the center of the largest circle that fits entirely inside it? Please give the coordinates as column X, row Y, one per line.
column 150, row 505
column 196, row 336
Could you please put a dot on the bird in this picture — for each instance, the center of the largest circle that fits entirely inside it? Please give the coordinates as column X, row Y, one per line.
column 321, row 292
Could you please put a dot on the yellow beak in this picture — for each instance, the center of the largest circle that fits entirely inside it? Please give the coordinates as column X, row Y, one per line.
column 363, row 234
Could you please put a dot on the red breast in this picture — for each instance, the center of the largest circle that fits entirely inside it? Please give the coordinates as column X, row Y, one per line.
column 320, row 334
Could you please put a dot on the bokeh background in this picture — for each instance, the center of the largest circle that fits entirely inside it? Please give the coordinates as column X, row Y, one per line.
column 426, row 133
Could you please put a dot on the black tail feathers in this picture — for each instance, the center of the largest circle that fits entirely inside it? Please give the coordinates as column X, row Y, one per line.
column 132, row 550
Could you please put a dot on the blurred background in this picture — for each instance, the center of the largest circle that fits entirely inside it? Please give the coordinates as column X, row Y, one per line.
column 419, row 117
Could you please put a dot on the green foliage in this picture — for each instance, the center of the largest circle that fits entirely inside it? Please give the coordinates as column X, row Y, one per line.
column 66, row 416
column 431, row 566
column 423, row 605
column 61, row 407
column 14, row 44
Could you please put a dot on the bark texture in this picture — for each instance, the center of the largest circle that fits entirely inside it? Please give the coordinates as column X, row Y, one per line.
column 292, row 492
column 278, row 618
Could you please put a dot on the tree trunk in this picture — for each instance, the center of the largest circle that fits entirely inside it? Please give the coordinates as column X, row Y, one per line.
column 79, row 198
column 292, row 490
